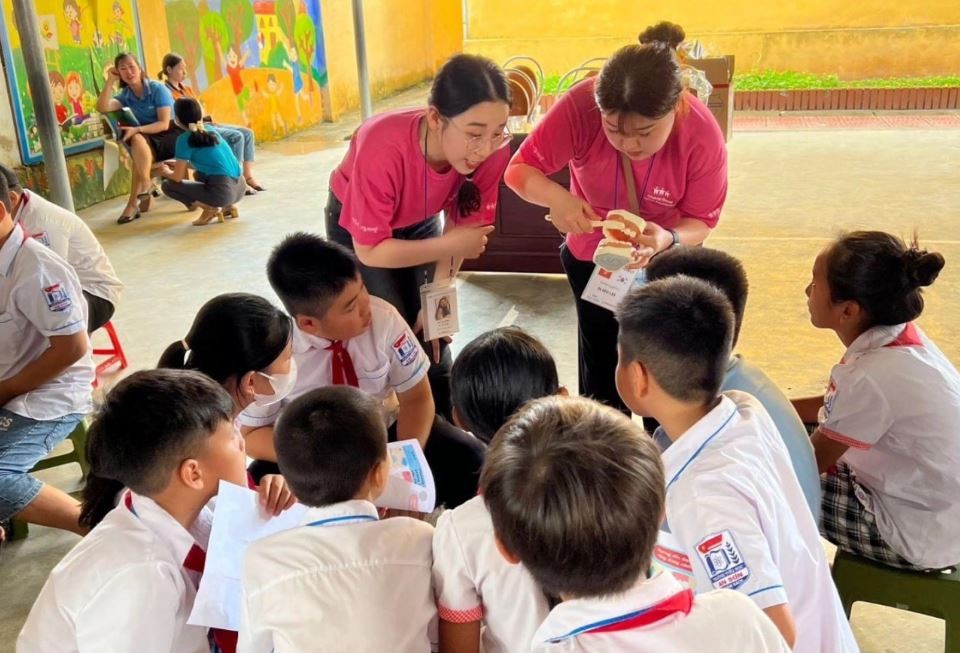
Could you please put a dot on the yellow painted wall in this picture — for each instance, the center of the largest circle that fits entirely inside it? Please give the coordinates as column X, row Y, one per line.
column 869, row 38
column 407, row 41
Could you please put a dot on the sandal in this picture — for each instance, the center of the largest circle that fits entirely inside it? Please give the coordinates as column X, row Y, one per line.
column 207, row 216
column 146, row 200
column 231, row 213
column 124, row 219
column 250, row 191
column 255, row 186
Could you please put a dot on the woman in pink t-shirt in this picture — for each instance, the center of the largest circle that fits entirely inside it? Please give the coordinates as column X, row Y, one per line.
column 633, row 118
column 402, row 169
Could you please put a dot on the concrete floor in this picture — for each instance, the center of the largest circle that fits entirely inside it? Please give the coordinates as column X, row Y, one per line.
column 790, row 191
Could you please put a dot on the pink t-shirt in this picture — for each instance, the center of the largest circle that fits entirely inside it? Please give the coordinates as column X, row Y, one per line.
column 385, row 183
column 687, row 178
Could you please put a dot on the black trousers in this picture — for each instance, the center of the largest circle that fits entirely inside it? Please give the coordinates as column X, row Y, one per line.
column 401, row 288
column 455, row 458
column 597, row 331
column 99, row 311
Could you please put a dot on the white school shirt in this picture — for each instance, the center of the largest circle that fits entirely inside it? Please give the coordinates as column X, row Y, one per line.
column 718, row 621
column 736, row 507
column 894, row 399
column 122, row 588
column 387, row 357
column 70, row 237
column 473, row 581
column 342, row 581
column 40, row 297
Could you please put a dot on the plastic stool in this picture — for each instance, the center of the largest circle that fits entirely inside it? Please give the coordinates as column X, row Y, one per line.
column 114, row 352
column 19, row 529
column 933, row 593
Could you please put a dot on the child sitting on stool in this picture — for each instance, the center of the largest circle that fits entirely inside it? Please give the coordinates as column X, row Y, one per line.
column 219, row 184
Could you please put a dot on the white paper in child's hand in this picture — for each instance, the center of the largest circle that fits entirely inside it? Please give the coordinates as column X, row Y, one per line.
column 238, row 520
column 410, row 485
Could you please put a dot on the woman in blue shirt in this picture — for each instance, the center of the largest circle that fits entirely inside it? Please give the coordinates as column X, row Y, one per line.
column 152, row 141
column 219, row 183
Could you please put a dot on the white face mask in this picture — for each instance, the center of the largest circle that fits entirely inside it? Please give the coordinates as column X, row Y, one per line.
column 282, row 384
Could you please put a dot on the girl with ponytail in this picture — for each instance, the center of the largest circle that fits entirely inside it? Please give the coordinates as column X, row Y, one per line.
column 402, row 169
column 887, row 439
column 158, row 449
column 218, row 184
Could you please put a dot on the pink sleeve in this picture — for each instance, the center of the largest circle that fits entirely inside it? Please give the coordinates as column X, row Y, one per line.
column 563, row 134
column 373, row 196
column 487, row 179
column 706, row 181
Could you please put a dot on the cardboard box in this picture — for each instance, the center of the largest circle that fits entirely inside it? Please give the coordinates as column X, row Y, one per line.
column 719, row 71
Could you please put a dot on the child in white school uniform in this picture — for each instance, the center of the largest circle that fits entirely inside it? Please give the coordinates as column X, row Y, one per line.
column 46, row 370
column 343, row 580
column 481, row 597
column 726, row 273
column 733, row 501
column 888, row 440
column 162, row 442
column 576, row 493
column 343, row 336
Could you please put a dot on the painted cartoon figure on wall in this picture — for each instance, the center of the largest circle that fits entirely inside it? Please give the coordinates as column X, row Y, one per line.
column 233, row 65
column 75, row 54
column 71, row 11
column 274, row 89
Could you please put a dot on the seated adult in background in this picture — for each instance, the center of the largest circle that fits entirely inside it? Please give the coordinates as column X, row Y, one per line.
column 241, row 139
column 153, row 140
column 70, row 237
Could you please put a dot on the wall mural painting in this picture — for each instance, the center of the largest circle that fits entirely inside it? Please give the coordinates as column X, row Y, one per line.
column 80, row 39
column 257, row 63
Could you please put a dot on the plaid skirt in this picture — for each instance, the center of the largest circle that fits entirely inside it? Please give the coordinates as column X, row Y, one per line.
column 845, row 522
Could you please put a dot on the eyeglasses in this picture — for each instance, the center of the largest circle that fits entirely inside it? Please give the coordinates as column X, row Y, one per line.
column 475, row 143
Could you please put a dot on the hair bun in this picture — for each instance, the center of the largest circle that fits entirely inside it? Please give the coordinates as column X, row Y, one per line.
column 664, row 32
column 921, row 267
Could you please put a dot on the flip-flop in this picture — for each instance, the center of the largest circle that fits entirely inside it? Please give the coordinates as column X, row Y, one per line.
column 124, row 219
column 256, row 187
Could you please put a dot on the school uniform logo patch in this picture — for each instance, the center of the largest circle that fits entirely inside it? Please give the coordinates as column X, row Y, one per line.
column 58, row 299
column 722, row 560
column 829, row 398
column 42, row 238
column 405, row 350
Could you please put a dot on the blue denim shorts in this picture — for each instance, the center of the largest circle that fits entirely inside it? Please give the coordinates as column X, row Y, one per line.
column 23, row 442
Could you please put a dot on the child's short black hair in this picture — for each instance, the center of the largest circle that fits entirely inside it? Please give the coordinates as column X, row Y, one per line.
column 148, row 424
column 576, row 492
column 5, row 193
column 681, row 329
column 328, row 441
column 308, row 273
column 711, row 265
column 495, row 374
column 882, row 274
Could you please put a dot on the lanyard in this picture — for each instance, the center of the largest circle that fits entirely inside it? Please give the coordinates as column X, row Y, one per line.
column 646, row 180
column 426, row 163
column 679, row 603
column 340, row 520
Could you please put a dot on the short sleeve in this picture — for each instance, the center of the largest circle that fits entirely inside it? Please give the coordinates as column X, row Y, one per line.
column 144, row 599
column 52, row 299
column 728, row 549
column 487, row 180
column 408, row 362
column 162, row 97
column 563, row 134
column 182, row 151
column 855, row 412
column 373, row 197
column 458, row 600
column 121, row 97
column 706, row 189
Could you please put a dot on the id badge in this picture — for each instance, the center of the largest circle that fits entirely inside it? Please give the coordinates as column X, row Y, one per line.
column 441, row 314
column 607, row 288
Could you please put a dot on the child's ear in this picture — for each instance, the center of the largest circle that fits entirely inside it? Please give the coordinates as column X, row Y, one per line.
column 305, row 322
column 190, row 475
column 505, row 552
column 379, row 476
column 851, row 311
column 639, row 379
column 563, row 392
